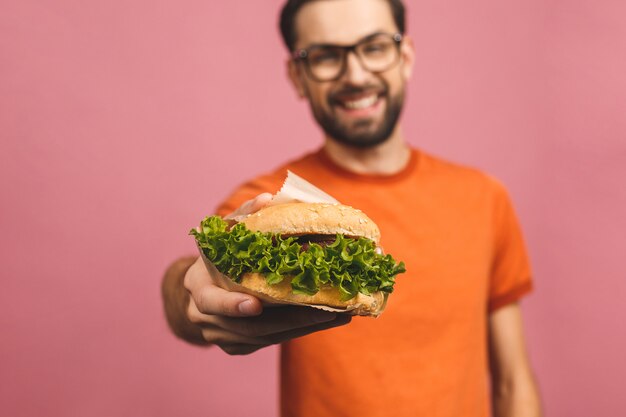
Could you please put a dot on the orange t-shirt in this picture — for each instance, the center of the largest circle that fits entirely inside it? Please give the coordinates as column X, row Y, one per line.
column 426, row 355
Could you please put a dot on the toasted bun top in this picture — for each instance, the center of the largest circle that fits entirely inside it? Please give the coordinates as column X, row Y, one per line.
column 313, row 218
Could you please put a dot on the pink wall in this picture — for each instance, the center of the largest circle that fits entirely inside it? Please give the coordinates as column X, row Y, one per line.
column 124, row 122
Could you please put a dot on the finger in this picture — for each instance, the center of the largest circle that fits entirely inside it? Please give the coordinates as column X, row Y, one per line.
column 250, row 206
column 340, row 320
column 259, row 202
column 208, row 298
column 222, row 338
column 238, row 349
column 218, row 301
column 240, row 345
column 274, row 320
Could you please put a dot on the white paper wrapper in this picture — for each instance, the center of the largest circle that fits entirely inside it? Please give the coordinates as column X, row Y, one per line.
column 294, row 189
column 297, row 189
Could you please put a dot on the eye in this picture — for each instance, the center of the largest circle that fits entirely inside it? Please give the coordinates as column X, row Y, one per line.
column 324, row 56
column 375, row 48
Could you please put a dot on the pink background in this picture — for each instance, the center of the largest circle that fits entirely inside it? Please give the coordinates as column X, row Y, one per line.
column 122, row 123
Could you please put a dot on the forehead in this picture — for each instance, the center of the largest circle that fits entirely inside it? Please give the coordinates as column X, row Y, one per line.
column 342, row 21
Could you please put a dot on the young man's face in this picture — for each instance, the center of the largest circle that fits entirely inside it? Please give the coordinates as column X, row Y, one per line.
column 361, row 107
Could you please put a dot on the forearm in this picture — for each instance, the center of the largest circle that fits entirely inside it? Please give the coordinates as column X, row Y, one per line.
column 176, row 301
column 515, row 392
column 516, row 396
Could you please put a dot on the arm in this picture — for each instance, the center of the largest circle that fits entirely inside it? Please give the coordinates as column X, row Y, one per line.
column 202, row 313
column 176, row 300
column 515, row 392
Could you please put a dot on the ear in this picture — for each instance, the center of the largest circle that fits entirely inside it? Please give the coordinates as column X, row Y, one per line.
column 295, row 76
column 407, row 55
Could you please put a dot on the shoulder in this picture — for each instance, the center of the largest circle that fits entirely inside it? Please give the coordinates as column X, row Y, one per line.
column 457, row 177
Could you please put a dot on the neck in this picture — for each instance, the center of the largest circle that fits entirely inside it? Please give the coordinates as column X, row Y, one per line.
column 387, row 158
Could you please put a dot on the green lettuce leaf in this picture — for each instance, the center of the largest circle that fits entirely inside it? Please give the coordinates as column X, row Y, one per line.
column 351, row 265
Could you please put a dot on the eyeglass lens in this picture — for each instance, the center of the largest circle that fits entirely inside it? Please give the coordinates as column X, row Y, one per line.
column 375, row 54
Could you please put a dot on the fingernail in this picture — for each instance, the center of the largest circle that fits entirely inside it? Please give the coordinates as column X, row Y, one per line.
column 321, row 316
column 246, row 307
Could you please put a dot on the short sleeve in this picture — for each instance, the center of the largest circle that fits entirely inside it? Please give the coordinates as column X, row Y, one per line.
column 511, row 276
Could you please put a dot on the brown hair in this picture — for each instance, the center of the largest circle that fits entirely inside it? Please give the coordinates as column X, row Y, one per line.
column 291, row 8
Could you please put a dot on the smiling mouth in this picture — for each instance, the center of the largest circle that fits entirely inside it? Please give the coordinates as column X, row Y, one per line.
column 360, row 103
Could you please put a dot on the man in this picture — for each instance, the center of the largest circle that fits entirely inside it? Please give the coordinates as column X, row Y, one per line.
column 452, row 314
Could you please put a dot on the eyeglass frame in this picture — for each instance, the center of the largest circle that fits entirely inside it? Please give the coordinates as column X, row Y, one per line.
column 301, row 55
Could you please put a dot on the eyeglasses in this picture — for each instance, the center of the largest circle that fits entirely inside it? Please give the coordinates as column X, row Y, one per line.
column 376, row 53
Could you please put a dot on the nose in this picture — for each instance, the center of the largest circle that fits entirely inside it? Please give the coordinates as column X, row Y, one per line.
column 355, row 73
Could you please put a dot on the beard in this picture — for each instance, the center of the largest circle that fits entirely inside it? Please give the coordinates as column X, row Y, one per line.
column 364, row 133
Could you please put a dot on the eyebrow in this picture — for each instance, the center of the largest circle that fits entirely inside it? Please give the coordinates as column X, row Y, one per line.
column 334, row 45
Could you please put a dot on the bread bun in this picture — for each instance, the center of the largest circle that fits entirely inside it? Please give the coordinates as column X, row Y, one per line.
column 306, row 219
column 313, row 219
column 363, row 305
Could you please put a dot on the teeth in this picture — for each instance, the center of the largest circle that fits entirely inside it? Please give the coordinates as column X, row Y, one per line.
column 362, row 103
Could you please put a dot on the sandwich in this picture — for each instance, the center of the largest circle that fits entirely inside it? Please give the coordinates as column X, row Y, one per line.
column 316, row 254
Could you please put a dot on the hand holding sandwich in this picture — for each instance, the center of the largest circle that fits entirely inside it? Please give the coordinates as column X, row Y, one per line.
column 236, row 322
